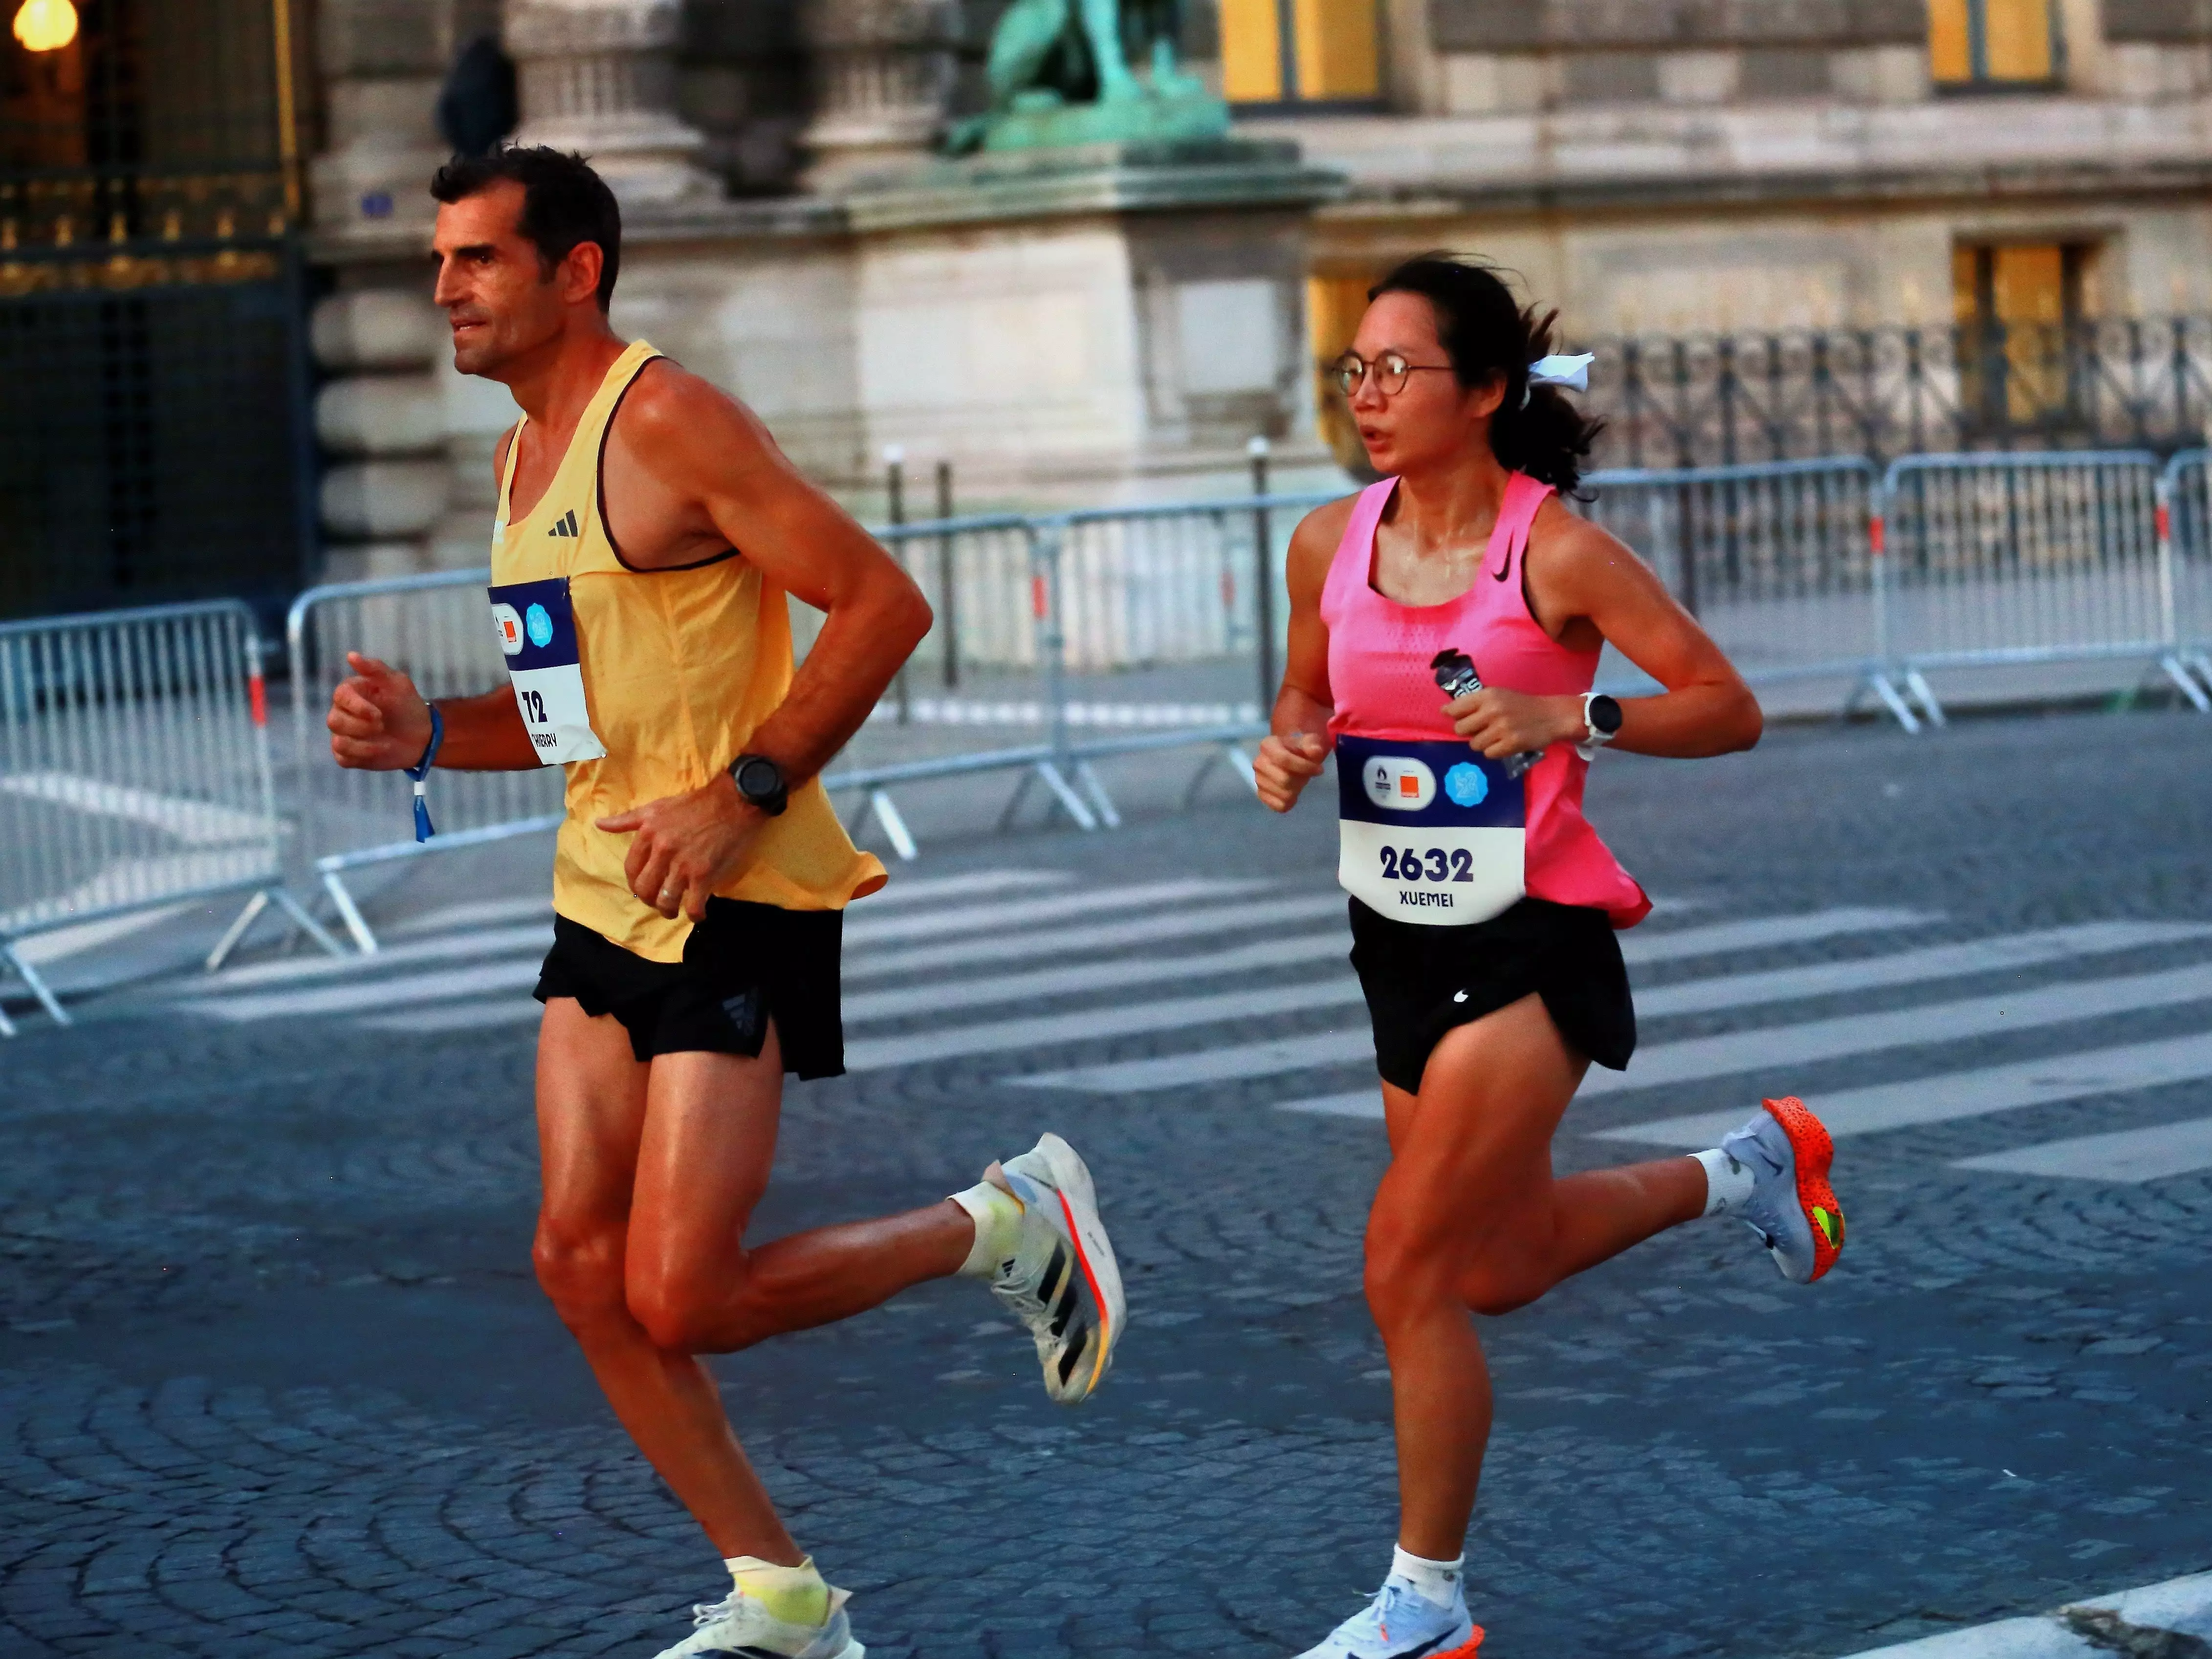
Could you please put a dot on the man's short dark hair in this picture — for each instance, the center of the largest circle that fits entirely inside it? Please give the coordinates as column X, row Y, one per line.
column 564, row 202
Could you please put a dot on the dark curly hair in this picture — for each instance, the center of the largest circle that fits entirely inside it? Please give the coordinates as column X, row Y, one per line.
column 1489, row 335
column 564, row 202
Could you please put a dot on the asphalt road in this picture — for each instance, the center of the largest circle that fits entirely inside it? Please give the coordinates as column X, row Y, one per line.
column 275, row 1379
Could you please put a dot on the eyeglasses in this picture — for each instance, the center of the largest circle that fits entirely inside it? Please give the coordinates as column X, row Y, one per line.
column 1389, row 370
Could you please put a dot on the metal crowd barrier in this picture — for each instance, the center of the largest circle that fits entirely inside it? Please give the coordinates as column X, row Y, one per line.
column 135, row 773
column 2185, row 490
column 1776, row 561
column 438, row 631
column 1158, row 625
column 2014, row 559
column 1061, row 640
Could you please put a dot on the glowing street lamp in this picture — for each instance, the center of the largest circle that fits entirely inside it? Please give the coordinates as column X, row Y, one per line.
column 45, row 25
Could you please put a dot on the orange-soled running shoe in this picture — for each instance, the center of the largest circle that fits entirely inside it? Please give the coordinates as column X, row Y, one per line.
column 1401, row 1623
column 1792, row 1207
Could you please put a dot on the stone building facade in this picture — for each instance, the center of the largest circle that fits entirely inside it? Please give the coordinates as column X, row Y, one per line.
column 1096, row 327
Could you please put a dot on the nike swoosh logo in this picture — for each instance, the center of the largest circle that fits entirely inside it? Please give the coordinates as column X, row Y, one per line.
column 1505, row 569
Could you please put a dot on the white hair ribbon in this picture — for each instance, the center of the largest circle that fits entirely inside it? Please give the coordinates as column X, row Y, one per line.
column 1560, row 371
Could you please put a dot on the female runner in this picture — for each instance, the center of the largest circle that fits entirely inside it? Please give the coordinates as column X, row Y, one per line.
column 1484, row 904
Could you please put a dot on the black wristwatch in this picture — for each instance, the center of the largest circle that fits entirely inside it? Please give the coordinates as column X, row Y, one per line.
column 760, row 780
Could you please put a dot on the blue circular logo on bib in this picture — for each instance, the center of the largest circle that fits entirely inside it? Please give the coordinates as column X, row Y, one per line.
column 1466, row 784
column 541, row 630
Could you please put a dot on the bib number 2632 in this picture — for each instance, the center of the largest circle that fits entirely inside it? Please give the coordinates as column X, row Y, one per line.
column 1429, row 832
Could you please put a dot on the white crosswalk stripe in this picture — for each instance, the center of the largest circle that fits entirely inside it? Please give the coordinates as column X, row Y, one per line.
column 1351, row 1044
column 1948, row 1096
column 1013, row 969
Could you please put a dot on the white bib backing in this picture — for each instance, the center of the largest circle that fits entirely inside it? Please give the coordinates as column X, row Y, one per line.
column 1429, row 832
column 537, row 629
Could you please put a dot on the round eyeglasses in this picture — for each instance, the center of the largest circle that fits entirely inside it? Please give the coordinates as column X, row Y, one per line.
column 1389, row 370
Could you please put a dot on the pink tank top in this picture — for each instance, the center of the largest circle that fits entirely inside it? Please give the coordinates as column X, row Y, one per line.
column 1382, row 685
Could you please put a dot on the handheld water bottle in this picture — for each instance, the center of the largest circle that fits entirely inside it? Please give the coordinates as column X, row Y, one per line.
column 1455, row 677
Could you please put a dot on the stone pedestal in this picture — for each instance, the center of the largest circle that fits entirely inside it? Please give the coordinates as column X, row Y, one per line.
column 883, row 73
column 599, row 76
column 1110, row 324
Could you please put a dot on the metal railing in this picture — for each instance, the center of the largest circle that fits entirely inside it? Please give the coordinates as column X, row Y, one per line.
column 135, row 773
column 1752, row 396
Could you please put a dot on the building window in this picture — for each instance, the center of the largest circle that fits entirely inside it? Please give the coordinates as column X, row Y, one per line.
column 2018, row 307
column 1300, row 51
column 1994, row 43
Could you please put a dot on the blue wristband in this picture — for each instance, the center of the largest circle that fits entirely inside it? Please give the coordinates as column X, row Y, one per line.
column 420, row 773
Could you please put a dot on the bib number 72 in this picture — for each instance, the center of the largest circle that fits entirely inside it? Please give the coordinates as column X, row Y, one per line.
column 533, row 707
column 1411, row 864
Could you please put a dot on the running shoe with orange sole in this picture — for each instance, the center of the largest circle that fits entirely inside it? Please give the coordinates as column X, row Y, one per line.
column 1401, row 1623
column 1792, row 1207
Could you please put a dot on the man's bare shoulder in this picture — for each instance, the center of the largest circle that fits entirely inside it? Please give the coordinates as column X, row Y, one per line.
column 669, row 409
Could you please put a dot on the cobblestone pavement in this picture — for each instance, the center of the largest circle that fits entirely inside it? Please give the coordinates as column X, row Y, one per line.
column 275, row 1379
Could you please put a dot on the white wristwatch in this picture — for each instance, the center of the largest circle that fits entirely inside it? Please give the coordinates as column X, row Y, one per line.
column 1601, row 722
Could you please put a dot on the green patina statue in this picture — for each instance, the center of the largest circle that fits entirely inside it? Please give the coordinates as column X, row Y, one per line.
column 1060, row 75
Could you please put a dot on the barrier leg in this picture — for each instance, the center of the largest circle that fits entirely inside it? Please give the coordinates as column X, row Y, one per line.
column 1926, row 693
column 1095, row 787
column 236, row 931
column 1879, row 684
column 7, row 1026
column 1230, row 755
column 281, row 896
column 350, row 913
column 1014, row 801
column 39, row 988
column 887, row 814
column 1064, row 792
column 2177, row 671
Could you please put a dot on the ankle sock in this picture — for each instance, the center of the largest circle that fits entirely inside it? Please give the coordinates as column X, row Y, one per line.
column 1436, row 1581
column 997, row 1217
column 1728, row 1183
column 795, row 1594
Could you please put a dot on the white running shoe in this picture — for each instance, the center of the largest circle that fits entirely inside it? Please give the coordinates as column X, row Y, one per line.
column 1062, row 1281
column 1401, row 1623
column 737, row 1624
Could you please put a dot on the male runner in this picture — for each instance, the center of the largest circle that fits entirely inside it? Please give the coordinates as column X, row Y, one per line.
column 648, row 530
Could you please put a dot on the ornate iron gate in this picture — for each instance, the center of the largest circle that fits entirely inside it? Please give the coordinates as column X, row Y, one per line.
column 154, row 434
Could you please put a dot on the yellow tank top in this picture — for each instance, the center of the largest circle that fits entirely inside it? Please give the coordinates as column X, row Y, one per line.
column 679, row 667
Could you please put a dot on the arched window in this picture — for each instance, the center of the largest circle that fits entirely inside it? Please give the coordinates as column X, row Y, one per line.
column 1993, row 43
column 1299, row 51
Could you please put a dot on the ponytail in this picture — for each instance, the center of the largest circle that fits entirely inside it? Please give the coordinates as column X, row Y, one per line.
column 1490, row 336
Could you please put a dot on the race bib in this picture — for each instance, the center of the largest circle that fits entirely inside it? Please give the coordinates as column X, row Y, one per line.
column 1428, row 832
column 537, row 631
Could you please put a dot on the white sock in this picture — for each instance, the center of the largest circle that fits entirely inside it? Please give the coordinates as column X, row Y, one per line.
column 998, row 1215
column 1728, row 1183
column 795, row 1594
column 1436, row 1581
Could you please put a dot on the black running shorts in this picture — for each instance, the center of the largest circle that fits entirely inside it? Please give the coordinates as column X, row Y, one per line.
column 1422, row 981
column 745, row 965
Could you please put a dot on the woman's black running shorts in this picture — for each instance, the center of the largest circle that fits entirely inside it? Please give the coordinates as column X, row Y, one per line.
column 1422, row 981
column 745, row 965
